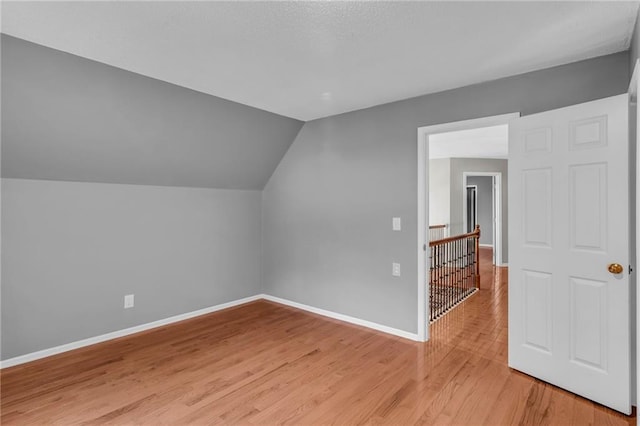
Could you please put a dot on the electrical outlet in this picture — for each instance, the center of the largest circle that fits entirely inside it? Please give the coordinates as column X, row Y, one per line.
column 128, row 301
column 395, row 269
column 397, row 224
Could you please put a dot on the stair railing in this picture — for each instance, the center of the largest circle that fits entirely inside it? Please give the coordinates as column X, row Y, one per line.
column 454, row 272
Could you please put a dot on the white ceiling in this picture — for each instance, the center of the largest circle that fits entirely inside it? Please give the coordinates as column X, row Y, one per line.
column 486, row 142
column 312, row 59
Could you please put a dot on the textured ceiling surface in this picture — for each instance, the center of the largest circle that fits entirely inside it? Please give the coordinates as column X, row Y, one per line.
column 312, row 59
column 485, row 142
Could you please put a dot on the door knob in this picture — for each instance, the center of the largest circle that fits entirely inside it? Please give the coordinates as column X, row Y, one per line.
column 615, row 268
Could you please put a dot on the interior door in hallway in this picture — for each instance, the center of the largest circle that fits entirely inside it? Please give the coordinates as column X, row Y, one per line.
column 569, row 249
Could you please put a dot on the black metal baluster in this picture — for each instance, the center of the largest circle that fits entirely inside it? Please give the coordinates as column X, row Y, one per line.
column 451, row 275
column 454, row 295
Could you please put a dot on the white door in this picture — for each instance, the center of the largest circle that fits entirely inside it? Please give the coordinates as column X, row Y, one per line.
column 568, row 221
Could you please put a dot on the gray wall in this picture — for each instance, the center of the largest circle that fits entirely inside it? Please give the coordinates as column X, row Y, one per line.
column 327, row 209
column 634, row 49
column 439, row 191
column 69, row 118
column 485, row 206
column 461, row 165
column 71, row 251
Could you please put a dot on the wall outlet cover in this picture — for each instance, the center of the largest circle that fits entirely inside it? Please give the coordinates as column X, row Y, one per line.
column 395, row 269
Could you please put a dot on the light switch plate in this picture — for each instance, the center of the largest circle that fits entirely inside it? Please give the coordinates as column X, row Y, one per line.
column 397, row 224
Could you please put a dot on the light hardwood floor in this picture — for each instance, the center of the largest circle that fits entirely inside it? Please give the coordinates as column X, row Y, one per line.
column 264, row 363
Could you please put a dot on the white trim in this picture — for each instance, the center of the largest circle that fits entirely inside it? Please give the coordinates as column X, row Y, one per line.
column 423, row 237
column 475, row 123
column 121, row 333
column 633, row 99
column 499, row 220
column 423, row 200
column 344, row 318
column 486, row 245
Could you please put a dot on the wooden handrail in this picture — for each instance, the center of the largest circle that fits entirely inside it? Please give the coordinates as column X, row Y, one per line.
column 474, row 234
column 437, row 226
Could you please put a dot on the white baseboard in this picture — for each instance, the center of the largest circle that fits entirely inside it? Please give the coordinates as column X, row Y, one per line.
column 159, row 323
column 121, row 333
column 486, row 245
column 345, row 318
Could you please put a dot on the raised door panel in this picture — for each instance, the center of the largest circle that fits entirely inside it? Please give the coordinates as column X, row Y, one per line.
column 536, row 310
column 589, row 327
column 537, row 209
column 588, row 207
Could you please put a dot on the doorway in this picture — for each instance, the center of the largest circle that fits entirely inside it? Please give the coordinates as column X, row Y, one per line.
column 454, row 216
column 488, row 207
column 557, row 337
column 471, row 207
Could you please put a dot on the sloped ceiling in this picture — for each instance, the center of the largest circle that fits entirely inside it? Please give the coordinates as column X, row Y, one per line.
column 118, row 107
column 313, row 59
column 69, row 118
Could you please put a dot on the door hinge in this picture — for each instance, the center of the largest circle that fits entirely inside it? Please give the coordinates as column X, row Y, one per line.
column 424, row 247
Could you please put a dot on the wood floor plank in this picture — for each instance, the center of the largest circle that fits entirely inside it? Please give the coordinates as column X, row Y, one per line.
column 263, row 363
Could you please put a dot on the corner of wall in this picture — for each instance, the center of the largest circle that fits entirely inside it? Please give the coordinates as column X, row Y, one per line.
column 633, row 45
column 284, row 155
column 263, row 194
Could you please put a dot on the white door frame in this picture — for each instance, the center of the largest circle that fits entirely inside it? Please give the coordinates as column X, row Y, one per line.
column 497, row 206
column 423, row 202
column 634, row 89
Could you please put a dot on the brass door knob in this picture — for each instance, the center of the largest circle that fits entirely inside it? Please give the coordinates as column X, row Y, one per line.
column 615, row 268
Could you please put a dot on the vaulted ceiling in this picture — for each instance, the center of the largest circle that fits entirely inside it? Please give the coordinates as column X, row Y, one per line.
column 312, row 59
column 212, row 94
column 68, row 118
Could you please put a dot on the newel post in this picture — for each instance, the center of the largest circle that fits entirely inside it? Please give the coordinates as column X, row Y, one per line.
column 477, row 231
